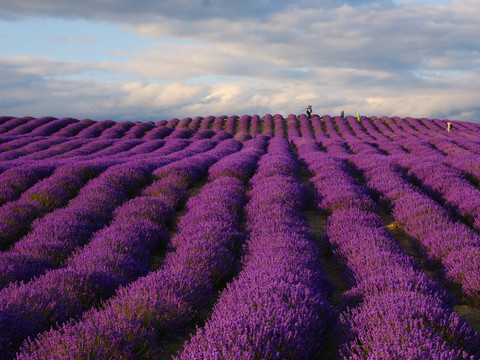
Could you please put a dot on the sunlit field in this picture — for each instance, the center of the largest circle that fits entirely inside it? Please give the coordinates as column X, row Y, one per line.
column 239, row 237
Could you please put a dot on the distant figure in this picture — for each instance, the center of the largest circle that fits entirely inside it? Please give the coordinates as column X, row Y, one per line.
column 358, row 117
column 449, row 126
column 309, row 111
column 342, row 114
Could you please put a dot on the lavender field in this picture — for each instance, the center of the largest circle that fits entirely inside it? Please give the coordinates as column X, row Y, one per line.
column 240, row 237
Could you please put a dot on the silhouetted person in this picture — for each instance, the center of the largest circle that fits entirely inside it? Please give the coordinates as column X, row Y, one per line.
column 309, row 111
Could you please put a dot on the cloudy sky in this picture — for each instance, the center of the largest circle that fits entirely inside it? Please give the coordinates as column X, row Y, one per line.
column 153, row 60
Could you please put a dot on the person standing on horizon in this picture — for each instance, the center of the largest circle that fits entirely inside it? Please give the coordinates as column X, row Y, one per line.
column 449, row 126
column 358, row 117
column 342, row 114
column 309, row 111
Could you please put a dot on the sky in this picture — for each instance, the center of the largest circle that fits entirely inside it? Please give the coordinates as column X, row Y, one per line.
column 144, row 60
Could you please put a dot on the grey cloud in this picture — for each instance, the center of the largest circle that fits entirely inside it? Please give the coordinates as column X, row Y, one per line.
column 394, row 38
column 131, row 11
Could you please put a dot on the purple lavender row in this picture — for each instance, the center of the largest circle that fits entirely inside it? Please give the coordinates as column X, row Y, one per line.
column 306, row 125
column 439, row 226
column 230, row 122
column 331, row 129
column 392, row 124
column 90, row 147
column 46, row 239
column 442, row 139
column 75, row 128
column 145, row 147
column 54, row 150
column 382, row 126
column 30, row 148
column 336, row 147
column 116, row 256
column 95, row 268
column 138, row 130
column 357, row 129
column 268, row 125
column 172, row 150
column 472, row 146
column 254, row 126
column 292, row 128
column 178, row 151
column 16, row 142
column 118, row 148
column 13, row 123
column 276, row 307
column 116, row 131
column 434, row 125
column 373, row 130
column 183, row 123
column 36, row 147
column 206, row 122
column 158, row 304
column 279, row 125
column 450, row 147
column 464, row 129
column 318, row 129
column 218, row 123
column 437, row 127
column 172, row 123
column 242, row 131
column 30, row 125
column 343, row 128
column 418, row 126
column 453, row 244
column 112, row 151
column 468, row 164
column 92, row 273
column 96, row 129
column 53, row 237
column 183, row 133
column 4, row 119
column 45, row 196
column 407, row 129
column 53, row 126
column 159, row 132
column 464, row 125
column 37, row 252
column 460, row 158
column 4, row 139
column 15, row 181
column 449, row 182
column 244, row 124
column 394, row 309
column 240, row 165
column 195, row 123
